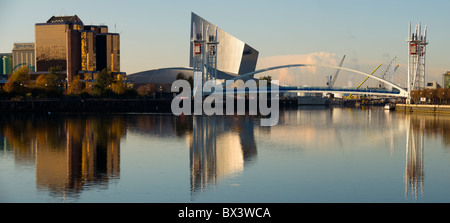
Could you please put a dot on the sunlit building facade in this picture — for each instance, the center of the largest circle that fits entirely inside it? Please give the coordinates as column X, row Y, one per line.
column 65, row 41
column 23, row 55
column 233, row 55
column 51, row 40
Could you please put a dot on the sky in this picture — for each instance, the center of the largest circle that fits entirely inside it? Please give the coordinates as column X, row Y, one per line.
column 155, row 33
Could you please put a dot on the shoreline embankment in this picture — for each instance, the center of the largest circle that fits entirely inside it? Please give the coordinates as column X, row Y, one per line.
column 418, row 108
column 100, row 105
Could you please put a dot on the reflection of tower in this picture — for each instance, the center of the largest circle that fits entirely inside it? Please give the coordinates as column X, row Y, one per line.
column 416, row 58
column 198, row 55
column 219, row 149
column 414, row 157
column 203, row 152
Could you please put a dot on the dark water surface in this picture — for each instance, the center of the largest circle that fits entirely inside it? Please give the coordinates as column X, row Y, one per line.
column 313, row 155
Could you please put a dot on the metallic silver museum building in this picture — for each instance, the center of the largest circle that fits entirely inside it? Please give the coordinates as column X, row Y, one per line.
column 234, row 58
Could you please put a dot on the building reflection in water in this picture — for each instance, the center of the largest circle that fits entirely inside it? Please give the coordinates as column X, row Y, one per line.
column 220, row 147
column 414, row 156
column 74, row 152
column 70, row 152
column 419, row 127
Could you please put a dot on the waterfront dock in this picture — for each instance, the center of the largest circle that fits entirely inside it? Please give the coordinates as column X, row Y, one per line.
column 103, row 105
column 86, row 105
column 420, row 108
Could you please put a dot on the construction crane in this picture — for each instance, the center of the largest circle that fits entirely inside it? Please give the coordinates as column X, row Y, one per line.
column 351, row 95
column 332, row 79
column 389, row 73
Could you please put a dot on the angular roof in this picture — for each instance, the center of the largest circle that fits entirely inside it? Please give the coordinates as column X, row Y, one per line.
column 233, row 55
column 65, row 19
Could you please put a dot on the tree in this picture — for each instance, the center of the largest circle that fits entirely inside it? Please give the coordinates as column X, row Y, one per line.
column 19, row 81
column 47, row 82
column 75, row 86
column 266, row 78
column 190, row 79
column 180, row 76
column 103, row 83
column 118, row 86
column 57, row 73
column 441, row 95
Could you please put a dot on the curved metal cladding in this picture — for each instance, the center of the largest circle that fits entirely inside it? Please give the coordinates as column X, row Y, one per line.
column 233, row 55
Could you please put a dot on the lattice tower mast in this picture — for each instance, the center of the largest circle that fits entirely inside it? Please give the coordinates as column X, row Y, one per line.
column 416, row 58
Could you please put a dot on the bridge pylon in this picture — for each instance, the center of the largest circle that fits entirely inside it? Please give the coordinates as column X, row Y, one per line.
column 205, row 58
column 417, row 43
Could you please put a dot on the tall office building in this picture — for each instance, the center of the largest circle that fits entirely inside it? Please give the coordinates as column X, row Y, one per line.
column 108, row 52
column 51, row 40
column 65, row 41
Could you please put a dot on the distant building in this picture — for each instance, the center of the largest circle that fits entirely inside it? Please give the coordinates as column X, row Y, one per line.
column 5, row 63
column 65, row 41
column 446, row 80
column 432, row 85
column 23, row 55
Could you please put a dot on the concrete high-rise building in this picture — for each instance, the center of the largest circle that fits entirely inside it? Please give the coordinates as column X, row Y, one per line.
column 65, row 41
column 23, row 55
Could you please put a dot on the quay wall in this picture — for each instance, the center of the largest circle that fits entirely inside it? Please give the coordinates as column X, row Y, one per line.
column 87, row 105
column 100, row 105
column 437, row 109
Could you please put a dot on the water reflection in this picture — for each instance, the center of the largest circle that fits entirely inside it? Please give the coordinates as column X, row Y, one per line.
column 69, row 152
column 219, row 147
column 418, row 127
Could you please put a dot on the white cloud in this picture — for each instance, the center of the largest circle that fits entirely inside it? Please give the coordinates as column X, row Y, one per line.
column 291, row 76
column 314, row 76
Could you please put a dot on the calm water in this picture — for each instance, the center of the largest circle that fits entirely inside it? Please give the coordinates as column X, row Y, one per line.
column 312, row 155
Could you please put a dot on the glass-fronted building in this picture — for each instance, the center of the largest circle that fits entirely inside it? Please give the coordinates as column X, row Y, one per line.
column 65, row 41
column 51, row 41
column 233, row 55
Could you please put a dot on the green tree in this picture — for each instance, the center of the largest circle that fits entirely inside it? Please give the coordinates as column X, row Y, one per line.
column 57, row 73
column 101, row 86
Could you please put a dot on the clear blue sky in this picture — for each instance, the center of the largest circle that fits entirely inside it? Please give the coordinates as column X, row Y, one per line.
column 155, row 34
